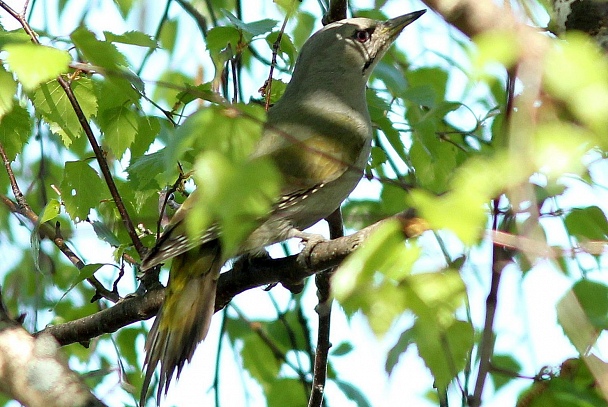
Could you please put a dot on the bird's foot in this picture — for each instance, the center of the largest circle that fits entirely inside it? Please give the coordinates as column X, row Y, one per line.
column 309, row 240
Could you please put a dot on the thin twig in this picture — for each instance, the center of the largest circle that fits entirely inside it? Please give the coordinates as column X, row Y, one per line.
column 323, row 282
column 275, row 51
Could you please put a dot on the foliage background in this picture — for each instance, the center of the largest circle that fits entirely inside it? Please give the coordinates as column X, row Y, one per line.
column 440, row 104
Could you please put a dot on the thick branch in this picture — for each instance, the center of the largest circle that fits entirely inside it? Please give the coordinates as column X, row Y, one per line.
column 33, row 371
column 246, row 275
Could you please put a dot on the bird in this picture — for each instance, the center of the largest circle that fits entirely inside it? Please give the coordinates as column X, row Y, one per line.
column 318, row 134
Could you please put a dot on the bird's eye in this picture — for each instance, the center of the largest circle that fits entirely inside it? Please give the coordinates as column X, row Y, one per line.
column 362, row 36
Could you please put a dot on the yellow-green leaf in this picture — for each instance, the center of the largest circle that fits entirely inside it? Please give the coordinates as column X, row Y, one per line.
column 35, row 64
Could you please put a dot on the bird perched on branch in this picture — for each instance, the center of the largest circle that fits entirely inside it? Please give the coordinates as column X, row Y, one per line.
column 319, row 137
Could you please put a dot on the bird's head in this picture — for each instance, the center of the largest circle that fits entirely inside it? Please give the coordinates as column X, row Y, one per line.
column 352, row 46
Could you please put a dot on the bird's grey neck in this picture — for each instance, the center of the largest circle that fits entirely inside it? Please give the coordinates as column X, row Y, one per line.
column 336, row 94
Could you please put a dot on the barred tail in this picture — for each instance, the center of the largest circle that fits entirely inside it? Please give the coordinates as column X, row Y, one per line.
column 185, row 316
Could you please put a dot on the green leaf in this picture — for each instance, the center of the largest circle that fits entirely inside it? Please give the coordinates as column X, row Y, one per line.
column 219, row 37
column 132, row 38
column 259, row 360
column 254, row 29
column 444, row 350
column 287, row 51
column 286, row 392
column 168, row 34
column 473, row 185
column 168, row 93
column 236, row 195
column 593, row 298
column 51, row 102
column 575, row 320
column 124, row 6
column 148, row 127
column 8, row 89
column 353, row 393
column 15, row 130
column 368, row 279
column 494, row 48
column 104, row 233
column 24, row 61
column 81, row 189
column 14, row 37
column 144, row 170
column 505, row 363
column 405, row 340
column 342, row 349
column 233, row 131
column 51, row 211
column 119, row 127
column 101, row 53
column 426, row 86
column 87, row 272
column 587, row 223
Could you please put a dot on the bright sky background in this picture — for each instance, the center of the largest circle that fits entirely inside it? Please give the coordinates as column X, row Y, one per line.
column 526, row 313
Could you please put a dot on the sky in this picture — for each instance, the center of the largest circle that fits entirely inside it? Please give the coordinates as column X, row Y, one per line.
column 526, row 314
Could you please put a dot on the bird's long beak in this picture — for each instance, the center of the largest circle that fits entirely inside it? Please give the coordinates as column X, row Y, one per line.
column 394, row 26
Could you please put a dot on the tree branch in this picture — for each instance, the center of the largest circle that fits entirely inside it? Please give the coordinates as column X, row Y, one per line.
column 33, row 371
column 244, row 276
column 335, row 12
column 323, row 282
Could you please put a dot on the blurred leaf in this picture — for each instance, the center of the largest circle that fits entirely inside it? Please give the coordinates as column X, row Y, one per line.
column 235, row 195
column 31, row 75
column 132, row 38
column 593, row 298
column 259, row 360
column 587, row 223
column 352, row 393
column 342, row 349
column 444, row 350
column 494, row 48
column 575, row 322
column 367, row 280
column 286, row 392
column 253, row 29
column 587, row 71
column 124, row 6
column 168, row 34
column 506, row 363
column 8, row 88
column 392, row 358
column 473, row 186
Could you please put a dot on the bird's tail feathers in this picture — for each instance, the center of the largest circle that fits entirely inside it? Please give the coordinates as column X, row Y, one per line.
column 184, row 318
